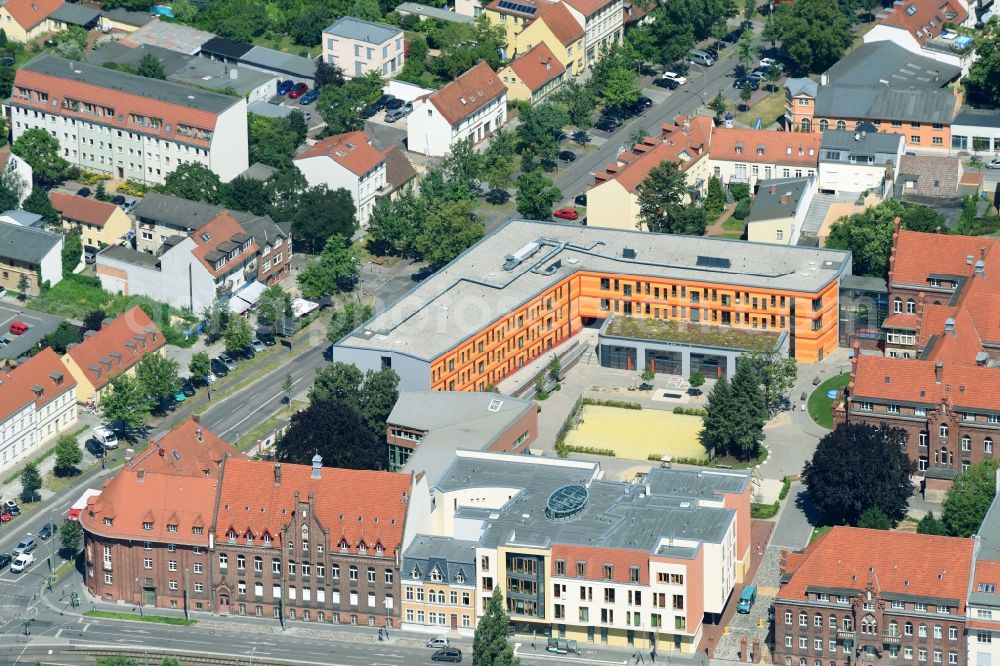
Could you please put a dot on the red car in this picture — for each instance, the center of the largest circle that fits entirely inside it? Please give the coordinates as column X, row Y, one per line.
column 5, row 516
column 566, row 214
column 299, row 90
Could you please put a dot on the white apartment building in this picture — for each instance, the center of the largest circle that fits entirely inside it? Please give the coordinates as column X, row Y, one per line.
column 602, row 20
column 471, row 107
column 982, row 624
column 347, row 161
column 129, row 126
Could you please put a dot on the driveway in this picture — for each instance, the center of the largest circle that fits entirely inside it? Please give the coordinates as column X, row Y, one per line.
column 39, row 324
column 794, row 527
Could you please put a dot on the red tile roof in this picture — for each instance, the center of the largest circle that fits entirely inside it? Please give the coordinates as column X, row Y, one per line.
column 82, row 209
column 885, row 379
column 468, row 93
column 588, row 7
column 352, row 150
column 681, row 145
column 116, row 347
column 125, row 105
column 29, row 13
column 561, row 22
column 134, row 496
column 845, row 556
column 14, row 397
column 622, row 561
column 923, row 19
column 217, row 232
column 913, row 260
column 902, row 320
column 358, row 507
column 537, row 66
column 45, row 375
column 190, row 449
column 743, row 145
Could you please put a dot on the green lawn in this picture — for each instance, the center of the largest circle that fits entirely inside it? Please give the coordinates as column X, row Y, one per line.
column 769, row 109
column 819, row 531
column 156, row 619
column 820, row 406
column 733, row 235
column 732, row 224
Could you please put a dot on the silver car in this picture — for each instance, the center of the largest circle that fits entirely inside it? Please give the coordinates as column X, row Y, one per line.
column 392, row 115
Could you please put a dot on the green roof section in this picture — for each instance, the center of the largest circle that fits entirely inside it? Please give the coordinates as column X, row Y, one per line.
column 686, row 333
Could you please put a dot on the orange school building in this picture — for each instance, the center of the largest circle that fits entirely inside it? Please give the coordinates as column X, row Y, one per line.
column 529, row 286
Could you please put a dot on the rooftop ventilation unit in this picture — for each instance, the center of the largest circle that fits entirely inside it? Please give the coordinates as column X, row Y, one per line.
column 515, row 259
column 628, row 253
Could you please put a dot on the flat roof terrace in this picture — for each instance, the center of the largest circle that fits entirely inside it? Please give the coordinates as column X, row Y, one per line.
column 687, row 333
column 523, row 258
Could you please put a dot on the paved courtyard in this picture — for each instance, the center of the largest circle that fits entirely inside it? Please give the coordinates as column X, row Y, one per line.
column 638, row 434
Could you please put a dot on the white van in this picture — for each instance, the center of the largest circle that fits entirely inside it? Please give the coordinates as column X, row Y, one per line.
column 106, row 436
column 701, row 58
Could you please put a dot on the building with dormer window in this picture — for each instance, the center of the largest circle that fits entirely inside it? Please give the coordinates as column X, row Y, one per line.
column 438, row 579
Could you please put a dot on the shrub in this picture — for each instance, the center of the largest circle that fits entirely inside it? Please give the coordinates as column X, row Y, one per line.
column 690, row 411
column 588, row 449
column 739, row 190
column 93, row 178
column 620, row 404
column 700, row 462
column 786, row 485
column 133, row 187
column 764, row 511
column 742, row 209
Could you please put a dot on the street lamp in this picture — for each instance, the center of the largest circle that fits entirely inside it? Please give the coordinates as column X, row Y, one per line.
column 140, row 596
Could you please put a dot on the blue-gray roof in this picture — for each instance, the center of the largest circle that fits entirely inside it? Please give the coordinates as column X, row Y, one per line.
column 24, row 218
column 781, row 203
column 888, row 65
column 801, row 86
column 432, row 12
column 280, row 62
column 860, row 143
column 857, row 101
column 455, row 559
column 26, row 244
column 349, row 27
column 127, row 16
column 75, row 14
column 977, row 117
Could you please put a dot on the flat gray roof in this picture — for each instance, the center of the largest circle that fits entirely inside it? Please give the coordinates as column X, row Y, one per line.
column 127, row 16
column 768, row 206
column 474, row 290
column 890, row 66
column 119, row 53
column 175, row 211
column 871, row 101
column 280, row 62
column 164, row 91
column 200, row 71
column 75, row 14
column 129, row 256
column 173, row 36
column 973, row 117
column 26, row 244
column 432, row 12
column 661, row 516
column 860, row 143
column 357, row 29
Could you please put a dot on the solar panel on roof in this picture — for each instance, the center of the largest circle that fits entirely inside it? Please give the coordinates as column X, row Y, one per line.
column 516, row 7
column 713, row 262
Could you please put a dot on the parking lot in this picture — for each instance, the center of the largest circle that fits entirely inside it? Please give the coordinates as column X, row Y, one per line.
column 39, row 324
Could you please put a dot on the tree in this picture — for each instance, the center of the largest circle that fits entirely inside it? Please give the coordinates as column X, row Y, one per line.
column 339, row 105
column 242, row 193
column 715, row 200
column 336, row 270
column 272, row 141
column 875, row 519
column 340, row 383
column 538, row 133
column 719, row 105
column 200, row 365
column 151, row 67
column 536, row 195
column 777, row 373
column 660, row 196
column 554, row 368
column 696, row 380
column 857, row 467
column 62, row 337
column 328, row 74
column 368, row 10
column 11, row 189
column 621, row 87
column 749, row 413
column 216, row 318
column 158, row 375
column 448, row 231
column 23, row 286
column 814, row 33
column 31, row 482
column 321, row 214
column 101, row 193
column 6, row 80
column 931, row 525
column 346, row 320
column 125, row 404
column 773, row 74
column 969, row 499
column 489, row 644
column 337, row 433
column 379, row 393
column 579, row 101
column 70, row 536
column 94, row 320
column 194, row 181
column 714, row 435
column 868, row 235
column 38, row 203
column 745, row 48
column 42, row 152
column 68, row 456
column 238, row 335
column 275, row 304
column 394, row 225
column 170, row 661
column 498, row 160
column 463, row 165
column 983, row 79
column 286, row 387
column 72, row 252
column 745, row 94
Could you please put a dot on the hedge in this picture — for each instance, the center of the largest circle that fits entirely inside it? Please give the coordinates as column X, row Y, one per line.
column 620, row 404
column 691, row 411
column 763, row 511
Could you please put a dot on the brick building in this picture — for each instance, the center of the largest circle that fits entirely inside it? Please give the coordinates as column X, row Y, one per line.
column 857, row 596
column 938, row 380
column 200, row 527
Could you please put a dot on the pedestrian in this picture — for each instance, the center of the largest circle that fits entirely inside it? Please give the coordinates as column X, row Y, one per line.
column 210, row 394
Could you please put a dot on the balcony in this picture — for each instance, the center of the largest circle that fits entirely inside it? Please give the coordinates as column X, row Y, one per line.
column 890, row 638
column 845, row 635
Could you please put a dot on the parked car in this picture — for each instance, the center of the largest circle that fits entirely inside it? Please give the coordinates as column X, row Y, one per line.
column 285, row 87
column 993, row 164
column 267, row 339
column 219, row 368
column 179, row 395
column 394, row 103
column 130, row 204
column 96, row 448
column 18, row 327
column 257, row 345
column 83, row 192
column 642, row 103
column 674, row 76
column 47, row 531
column 106, row 437
column 248, row 352
column 669, row 84
column 741, row 83
column 298, row 90
column 187, row 387
column 25, row 545
column 453, row 655
column 309, row 97
column 382, row 102
column 369, row 111
column 228, row 360
column 22, row 562
column 89, row 255
column 5, row 516
column 606, row 124
column 765, row 63
column 5, row 560
column 392, row 115
column 566, row 214
column 580, row 200
column 438, row 642
column 617, row 112
column 118, row 200
column 11, row 507
column 567, row 156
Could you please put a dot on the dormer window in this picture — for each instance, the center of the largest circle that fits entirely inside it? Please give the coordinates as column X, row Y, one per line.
column 196, row 530
column 436, row 575
column 231, row 535
column 267, row 539
column 109, row 522
column 460, row 577
column 379, row 550
column 362, row 548
column 147, row 525
column 415, row 573
column 343, row 546
column 171, row 528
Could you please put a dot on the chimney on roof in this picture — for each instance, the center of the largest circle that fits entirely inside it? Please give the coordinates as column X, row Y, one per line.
column 774, row 189
column 198, row 435
column 548, row 64
column 140, row 475
column 277, row 474
column 317, row 466
column 938, row 372
column 783, row 199
column 949, row 325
